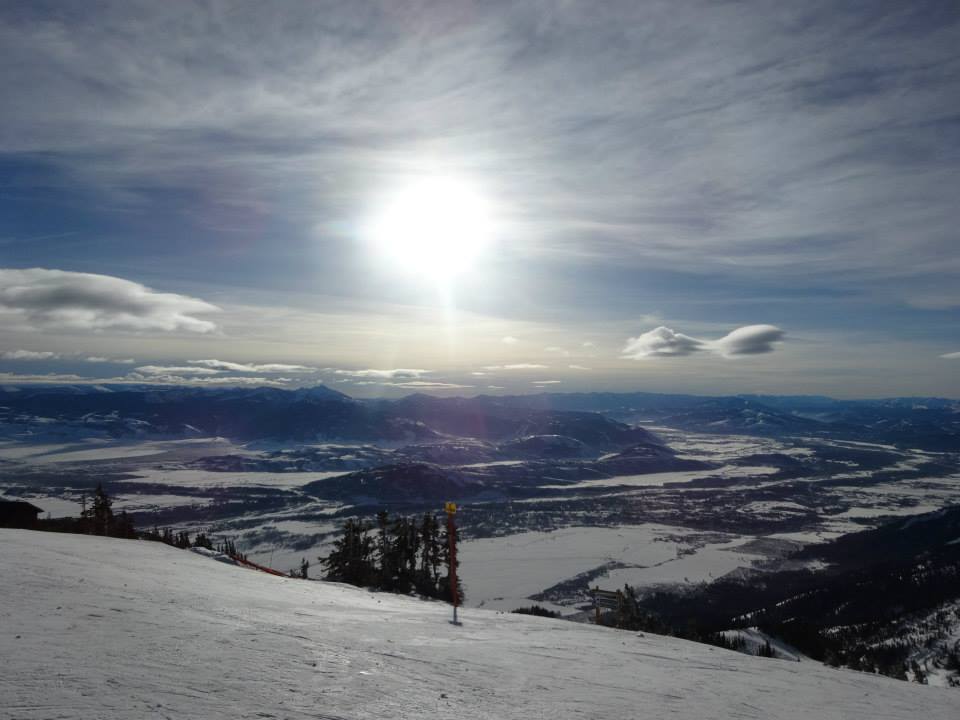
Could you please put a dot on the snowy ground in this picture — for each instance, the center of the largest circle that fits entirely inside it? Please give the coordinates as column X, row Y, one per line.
column 88, row 449
column 662, row 478
column 100, row 628
column 176, row 477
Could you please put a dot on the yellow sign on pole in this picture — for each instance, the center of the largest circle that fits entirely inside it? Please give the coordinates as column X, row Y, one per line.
column 451, row 508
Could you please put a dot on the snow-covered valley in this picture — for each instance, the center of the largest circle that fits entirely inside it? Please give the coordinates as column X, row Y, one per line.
column 688, row 524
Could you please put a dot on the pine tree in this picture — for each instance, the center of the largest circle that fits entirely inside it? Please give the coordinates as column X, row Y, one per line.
column 386, row 567
column 102, row 512
column 122, row 527
column 351, row 560
column 766, row 650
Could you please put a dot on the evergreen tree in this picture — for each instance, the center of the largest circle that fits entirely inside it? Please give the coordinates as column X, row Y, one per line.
column 766, row 650
column 404, row 555
column 122, row 527
column 385, row 551
column 101, row 513
column 351, row 560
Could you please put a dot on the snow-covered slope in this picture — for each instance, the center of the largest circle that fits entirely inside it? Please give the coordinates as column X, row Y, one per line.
column 101, row 628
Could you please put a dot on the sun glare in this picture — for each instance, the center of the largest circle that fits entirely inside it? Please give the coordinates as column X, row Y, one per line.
column 438, row 227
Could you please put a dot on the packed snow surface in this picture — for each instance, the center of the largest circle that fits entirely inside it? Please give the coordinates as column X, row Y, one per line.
column 101, row 628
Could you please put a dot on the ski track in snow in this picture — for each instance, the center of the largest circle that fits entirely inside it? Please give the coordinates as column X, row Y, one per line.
column 102, row 628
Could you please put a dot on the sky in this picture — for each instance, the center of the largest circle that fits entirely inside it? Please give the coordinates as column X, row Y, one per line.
column 491, row 197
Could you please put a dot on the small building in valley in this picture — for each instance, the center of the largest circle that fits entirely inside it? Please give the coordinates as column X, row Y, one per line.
column 18, row 514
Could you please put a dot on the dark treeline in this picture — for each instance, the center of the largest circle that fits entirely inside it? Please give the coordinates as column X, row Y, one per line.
column 183, row 541
column 633, row 615
column 536, row 610
column 96, row 518
column 869, row 616
column 402, row 555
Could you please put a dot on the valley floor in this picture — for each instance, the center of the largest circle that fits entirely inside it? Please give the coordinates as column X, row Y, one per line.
column 102, row 628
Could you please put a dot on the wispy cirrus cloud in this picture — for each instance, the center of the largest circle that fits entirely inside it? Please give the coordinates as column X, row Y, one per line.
column 389, row 374
column 136, row 378
column 48, row 378
column 753, row 158
column 175, row 370
column 49, row 355
column 517, row 366
column 428, row 384
column 810, row 150
column 198, row 380
column 41, row 299
column 28, row 355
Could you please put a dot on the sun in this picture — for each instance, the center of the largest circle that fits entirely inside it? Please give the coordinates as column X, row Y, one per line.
column 436, row 227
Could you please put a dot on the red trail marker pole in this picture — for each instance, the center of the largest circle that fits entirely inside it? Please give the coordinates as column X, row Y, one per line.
column 451, row 509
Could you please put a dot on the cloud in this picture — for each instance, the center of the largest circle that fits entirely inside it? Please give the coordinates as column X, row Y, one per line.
column 587, row 344
column 28, row 355
column 517, row 366
column 557, row 350
column 17, row 378
column 665, row 342
column 252, row 368
column 802, row 149
column 427, row 384
column 175, row 370
column 509, row 340
column 662, row 342
column 577, row 367
column 38, row 299
column 825, row 146
column 952, row 356
column 46, row 355
column 546, row 382
column 396, row 373
column 206, row 380
column 749, row 340
column 135, row 378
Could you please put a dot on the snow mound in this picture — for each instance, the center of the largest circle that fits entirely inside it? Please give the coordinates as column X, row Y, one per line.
column 96, row 627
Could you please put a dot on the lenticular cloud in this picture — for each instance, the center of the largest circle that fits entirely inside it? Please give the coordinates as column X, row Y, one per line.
column 666, row 342
column 40, row 298
column 749, row 340
column 662, row 342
